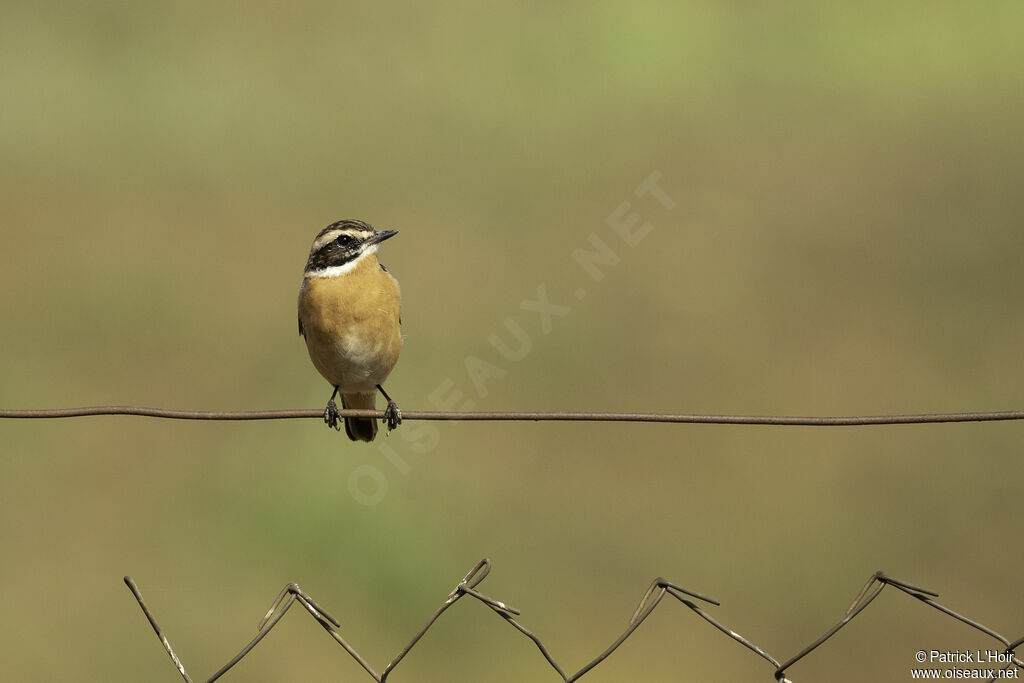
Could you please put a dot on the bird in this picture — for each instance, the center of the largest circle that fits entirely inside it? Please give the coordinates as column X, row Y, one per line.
column 350, row 316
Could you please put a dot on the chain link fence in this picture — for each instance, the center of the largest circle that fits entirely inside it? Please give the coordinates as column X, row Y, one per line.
column 1003, row 663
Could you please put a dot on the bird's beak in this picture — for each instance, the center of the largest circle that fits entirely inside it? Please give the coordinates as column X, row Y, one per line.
column 380, row 235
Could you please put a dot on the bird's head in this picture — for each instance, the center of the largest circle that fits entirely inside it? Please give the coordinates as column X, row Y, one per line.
column 341, row 244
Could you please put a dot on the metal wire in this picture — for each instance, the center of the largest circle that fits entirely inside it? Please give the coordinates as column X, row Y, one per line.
column 525, row 416
column 652, row 597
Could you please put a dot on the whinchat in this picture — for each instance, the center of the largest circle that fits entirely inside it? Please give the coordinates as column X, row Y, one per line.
column 350, row 316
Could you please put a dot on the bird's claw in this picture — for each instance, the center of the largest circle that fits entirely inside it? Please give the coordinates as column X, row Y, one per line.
column 392, row 416
column 332, row 418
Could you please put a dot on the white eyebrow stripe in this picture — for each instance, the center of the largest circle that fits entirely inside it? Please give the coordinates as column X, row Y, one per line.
column 325, row 239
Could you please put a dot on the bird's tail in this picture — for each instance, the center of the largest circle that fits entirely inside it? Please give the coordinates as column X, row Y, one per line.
column 360, row 428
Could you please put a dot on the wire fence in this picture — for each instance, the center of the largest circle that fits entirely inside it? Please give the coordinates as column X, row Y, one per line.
column 526, row 416
column 1010, row 667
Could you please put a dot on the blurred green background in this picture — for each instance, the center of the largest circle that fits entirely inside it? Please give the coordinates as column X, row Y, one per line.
column 844, row 238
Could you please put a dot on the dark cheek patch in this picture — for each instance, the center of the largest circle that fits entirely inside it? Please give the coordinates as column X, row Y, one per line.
column 330, row 255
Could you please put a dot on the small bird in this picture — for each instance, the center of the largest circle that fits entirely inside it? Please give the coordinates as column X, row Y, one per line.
column 350, row 316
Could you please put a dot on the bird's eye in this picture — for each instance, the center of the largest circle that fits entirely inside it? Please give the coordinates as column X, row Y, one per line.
column 344, row 240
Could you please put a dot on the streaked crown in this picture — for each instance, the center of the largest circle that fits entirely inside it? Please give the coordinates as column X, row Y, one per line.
column 342, row 243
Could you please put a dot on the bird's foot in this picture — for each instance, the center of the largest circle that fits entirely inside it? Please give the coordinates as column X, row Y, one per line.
column 392, row 416
column 331, row 416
